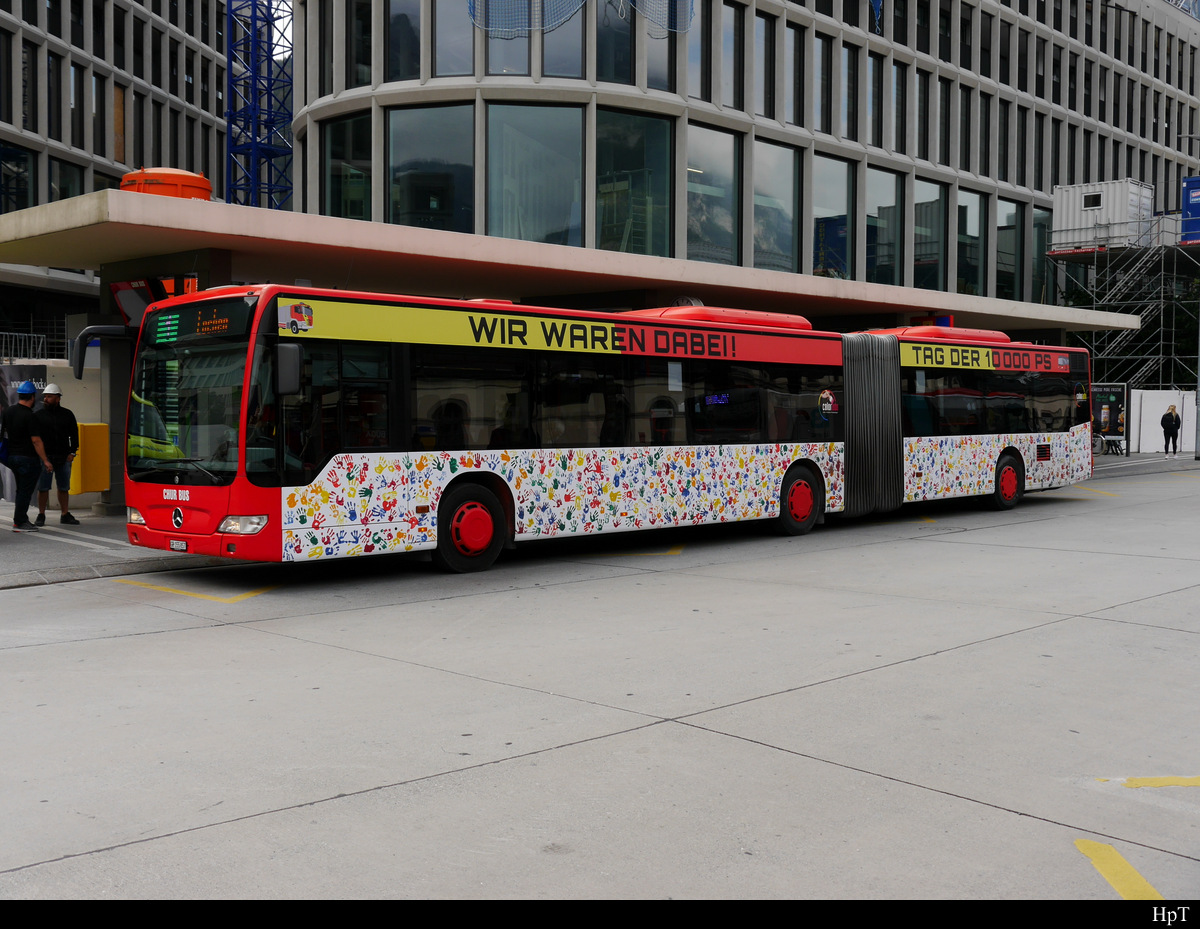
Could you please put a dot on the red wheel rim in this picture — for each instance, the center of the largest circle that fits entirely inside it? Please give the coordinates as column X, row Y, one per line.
column 800, row 501
column 472, row 528
column 1008, row 483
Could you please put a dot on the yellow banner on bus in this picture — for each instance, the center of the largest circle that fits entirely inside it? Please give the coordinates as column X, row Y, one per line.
column 974, row 357
column 348, row 321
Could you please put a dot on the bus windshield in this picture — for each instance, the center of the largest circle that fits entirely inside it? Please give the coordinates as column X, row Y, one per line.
column 187, row 393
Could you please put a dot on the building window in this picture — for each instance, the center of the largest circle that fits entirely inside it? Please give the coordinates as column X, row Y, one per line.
column 614, row 42
column 899, row 107
column 885, row 226
column 793, row 76
column 964, row 128
column 972, row 243
column 633, row 183
column 1022, row 145
column 1002, row 141
column 660, row 56
column 699, row 51
column 713, row 205
column 923, row 79
column 99, row 116
column 18, row 166
column 776, row 216
column 453, row 39
column 505, row 54
column 732, row 66
column 923, row 26
column 1009, row 235
column 764, row 75
column 118, row 38
column 929, row 235
column 29, row 87
column 986, row 24
column 562, row 47
column 54, row 96
column 875, row 105
column 833, row 217
column 966, row 52
column 944, row 92
column 900, row 21
column 823, row 92
column 77, row 105
column 403, row 40
column 346, row 167
column 1043, row 278
column 66, row 179
column 944, row 31
column 431, row 167
column 6, row 68
column 849, row 108
column 535, row 173
column 985, row 134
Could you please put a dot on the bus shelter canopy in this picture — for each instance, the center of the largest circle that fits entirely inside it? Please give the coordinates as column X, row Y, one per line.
column 112, row 226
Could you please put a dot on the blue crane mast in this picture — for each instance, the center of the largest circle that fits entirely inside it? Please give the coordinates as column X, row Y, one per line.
column 259, row 114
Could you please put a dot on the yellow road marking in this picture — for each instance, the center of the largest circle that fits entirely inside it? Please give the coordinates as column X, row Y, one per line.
column 1119, row 873
column 1159, row 781
column 1093, row 490
column 186, row 593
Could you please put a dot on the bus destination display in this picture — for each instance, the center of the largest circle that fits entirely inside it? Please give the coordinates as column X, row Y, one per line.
column 220, row 318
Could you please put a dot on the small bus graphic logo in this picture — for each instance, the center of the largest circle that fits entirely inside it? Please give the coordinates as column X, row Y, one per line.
column 298, row 317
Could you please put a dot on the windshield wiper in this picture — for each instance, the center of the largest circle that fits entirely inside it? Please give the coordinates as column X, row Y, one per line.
column 164, row 469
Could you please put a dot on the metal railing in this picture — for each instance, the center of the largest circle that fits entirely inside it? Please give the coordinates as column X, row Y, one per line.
column 23, row 345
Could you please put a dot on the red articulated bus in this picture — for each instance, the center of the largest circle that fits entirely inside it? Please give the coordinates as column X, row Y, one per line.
column 381, row 423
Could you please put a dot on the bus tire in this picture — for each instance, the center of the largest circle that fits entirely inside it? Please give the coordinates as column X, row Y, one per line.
column 471, row 529
column 1009, row 486
column 801, row 501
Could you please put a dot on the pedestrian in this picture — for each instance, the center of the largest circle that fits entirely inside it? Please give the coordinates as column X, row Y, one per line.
column 60, row 437
column 25, row 449
column 1170, row 427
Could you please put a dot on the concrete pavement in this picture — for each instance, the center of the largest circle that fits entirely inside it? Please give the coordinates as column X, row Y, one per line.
column 942, row 702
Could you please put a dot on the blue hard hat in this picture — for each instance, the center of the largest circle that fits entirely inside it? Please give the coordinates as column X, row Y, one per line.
column 27, row 389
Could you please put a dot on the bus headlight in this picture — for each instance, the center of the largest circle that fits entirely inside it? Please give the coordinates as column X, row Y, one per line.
column 242, row 525
column 133, row 516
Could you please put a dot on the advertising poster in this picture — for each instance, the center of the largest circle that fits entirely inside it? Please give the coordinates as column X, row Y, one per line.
column 1109, row 403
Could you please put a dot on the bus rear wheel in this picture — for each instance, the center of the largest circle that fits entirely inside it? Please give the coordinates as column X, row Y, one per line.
column 801, row 501
column 470, row 529
column 1010, row 483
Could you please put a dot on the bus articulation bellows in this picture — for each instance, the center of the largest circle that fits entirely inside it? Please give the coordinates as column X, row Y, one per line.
column 306, row 423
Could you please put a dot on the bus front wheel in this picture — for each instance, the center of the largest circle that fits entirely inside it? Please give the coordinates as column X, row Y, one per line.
column 801, row 500
column 1010, row 483
column 470, row 529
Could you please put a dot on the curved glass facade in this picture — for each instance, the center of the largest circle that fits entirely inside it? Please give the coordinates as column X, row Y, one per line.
column 919, row 150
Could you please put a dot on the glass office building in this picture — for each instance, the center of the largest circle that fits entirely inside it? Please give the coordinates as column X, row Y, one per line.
column 914, row 144
column 89, row 90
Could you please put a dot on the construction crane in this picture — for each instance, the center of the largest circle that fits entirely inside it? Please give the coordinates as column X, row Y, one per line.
column 259, row 114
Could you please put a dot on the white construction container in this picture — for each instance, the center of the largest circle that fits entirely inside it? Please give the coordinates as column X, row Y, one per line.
column 1107, row 214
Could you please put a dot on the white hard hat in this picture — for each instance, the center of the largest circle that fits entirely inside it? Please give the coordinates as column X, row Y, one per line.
column 52, row 389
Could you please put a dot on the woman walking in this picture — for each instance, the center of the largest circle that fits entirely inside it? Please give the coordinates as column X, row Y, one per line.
column 1170, row 427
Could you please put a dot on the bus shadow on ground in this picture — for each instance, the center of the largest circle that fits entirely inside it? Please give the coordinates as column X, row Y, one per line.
column 960, row 513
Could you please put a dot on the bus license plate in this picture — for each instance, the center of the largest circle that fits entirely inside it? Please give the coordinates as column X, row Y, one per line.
column 178, row 545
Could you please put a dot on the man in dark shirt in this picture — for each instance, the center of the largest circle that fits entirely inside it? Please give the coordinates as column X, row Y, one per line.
column 24, row 449
column 60, row 436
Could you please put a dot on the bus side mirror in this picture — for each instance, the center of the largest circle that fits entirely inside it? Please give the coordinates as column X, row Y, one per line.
column 289, row 361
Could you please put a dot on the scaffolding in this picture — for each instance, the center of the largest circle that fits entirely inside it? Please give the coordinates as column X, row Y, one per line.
column 259, row 156
column 1138, row 269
